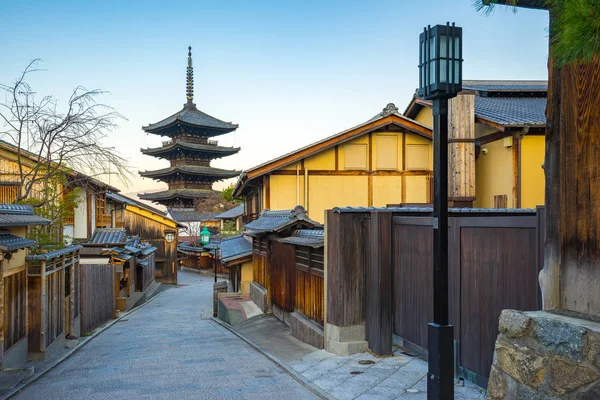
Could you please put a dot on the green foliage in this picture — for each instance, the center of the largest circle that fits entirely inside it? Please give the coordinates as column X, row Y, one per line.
column 574, row 30
column 52, row 203
column 227, row 195
column 229, row 226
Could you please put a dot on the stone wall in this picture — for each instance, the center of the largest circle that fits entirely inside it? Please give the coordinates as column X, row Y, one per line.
column 544, row 355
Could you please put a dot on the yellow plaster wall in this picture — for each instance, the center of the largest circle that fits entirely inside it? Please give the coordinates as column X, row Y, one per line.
column 321, row 161
column 364, row 139
column 398, row 151
column 532, row 174
column 425, row 117
column 493, row 175
column 246, row 277
column 326, row 192
column 283, row 189
column 387, row 190
column 18, row 258
column 416, row 189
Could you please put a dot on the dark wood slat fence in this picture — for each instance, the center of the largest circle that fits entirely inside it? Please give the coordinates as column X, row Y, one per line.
column 98, row 297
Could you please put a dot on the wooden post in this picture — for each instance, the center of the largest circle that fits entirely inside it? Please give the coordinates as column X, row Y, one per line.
column 378, row 283
column 42, row 308
column 461, row 150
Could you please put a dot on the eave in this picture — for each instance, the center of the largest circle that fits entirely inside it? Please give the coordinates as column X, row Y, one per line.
column 206, row 172
column 191, row 148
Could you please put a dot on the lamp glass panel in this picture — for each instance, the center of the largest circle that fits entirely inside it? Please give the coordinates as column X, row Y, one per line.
column 431, row 72
column 443, row 43
column 456, row 72
column 456, row 47
column 443, row 69
column 432, row 47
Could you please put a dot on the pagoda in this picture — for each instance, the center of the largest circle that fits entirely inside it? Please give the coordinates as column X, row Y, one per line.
column 190, row 151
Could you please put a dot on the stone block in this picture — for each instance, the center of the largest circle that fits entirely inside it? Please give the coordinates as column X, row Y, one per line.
column 522, row 363
column 346, row 333
column 591, row 348
column 558, row 336
column 515, row 324
column 306, row 330
column 346, row 348
column 566, row 375
column 258, row 294
column 496, row 384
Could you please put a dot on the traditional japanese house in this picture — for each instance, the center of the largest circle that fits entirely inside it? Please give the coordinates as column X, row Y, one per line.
column 298, row 282
column 14, row 220
column 151, row 225
column 385, row 160
column 189, row 150
column 230, row 221
column 52, row 300
column 504, row 127
column 269, row 226
column 194, row 221
column 90, row 193
column 134, row 262
column 235, row 254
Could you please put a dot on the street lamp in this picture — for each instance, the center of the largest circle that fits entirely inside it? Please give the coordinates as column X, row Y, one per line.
column 204, row 236
column 440, row 78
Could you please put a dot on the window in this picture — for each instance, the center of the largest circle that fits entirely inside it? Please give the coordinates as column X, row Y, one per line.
column 8, row 194
column 417, row 157
column 355, row 156
column 500, row 201
column 387, row 152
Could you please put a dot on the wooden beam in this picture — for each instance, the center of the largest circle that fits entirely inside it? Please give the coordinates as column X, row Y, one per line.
column 337, row 158
column 370, row 191
column 267, row 188
column 516, row 176
column 487, row 122
column 492, row 137
column 325, row 172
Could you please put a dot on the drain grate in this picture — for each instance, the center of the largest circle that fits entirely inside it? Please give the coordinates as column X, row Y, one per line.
column 355, row 372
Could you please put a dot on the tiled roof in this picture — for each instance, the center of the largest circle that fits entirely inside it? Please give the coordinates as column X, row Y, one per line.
column 191, row 215
column 306, row 237
column 197, row 147
column 234, row 248
column 149, row 249
column 19, row 215
column 425, row 210
column 505, row 86
column 190, row 115
column 119, row 198
column 56, row 253
column 10, row 242
column 109, row 236
column 199, row 170
column 273, row 221
column 512, row 111
column 187, row 247
column 175, row 193
column 232, row 213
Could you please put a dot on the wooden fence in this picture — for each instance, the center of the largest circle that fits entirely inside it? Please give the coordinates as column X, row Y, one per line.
column 385, row 263
column 97, row 295
column 310, row 289
column 15, row 314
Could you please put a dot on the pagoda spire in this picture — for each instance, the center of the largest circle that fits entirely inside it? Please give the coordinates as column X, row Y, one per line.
column 189, row 81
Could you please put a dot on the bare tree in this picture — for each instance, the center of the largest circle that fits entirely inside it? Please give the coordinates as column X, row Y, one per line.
column 53, row 144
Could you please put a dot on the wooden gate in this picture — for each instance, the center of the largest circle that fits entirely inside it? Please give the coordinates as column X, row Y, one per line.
column 283, row 275
column 494, row 262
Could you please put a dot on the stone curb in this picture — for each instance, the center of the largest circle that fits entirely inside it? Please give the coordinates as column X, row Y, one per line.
column 290, row 371
column 79, row 346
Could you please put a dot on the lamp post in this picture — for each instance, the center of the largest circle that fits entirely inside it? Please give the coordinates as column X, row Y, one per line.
column 440, row 78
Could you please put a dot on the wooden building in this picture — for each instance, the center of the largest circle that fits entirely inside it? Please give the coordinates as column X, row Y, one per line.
column 231, row 221
column 503, row 142
column 235, row 254
column 264, row 231
column 385, row 160
column 151, row 225
column 14, row 220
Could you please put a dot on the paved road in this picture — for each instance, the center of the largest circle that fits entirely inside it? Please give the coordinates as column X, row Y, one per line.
column 168, row 349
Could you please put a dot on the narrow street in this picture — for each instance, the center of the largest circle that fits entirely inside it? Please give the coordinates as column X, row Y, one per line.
column 168, row 349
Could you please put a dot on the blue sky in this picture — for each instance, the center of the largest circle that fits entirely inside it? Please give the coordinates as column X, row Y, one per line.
column 288, row 72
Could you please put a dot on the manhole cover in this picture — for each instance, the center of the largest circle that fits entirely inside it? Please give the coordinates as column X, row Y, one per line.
column 366, row 362
column 411, row 390
column 355, row 372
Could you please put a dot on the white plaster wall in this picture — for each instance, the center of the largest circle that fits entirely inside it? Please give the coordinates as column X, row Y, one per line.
column 68, row 231
column 80, row 228
column 93, row 215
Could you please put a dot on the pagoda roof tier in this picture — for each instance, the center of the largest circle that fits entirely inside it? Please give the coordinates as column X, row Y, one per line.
column 191, row 121
column 172, row 196
column 212, row 151
column 194, row 170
